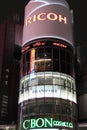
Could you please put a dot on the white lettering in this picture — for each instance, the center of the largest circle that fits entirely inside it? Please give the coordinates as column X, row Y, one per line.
column 39, row 122
column 44, row 17
column 52, row 16
column 50, row 123
column 41, row 16
column 25, row 124
column 62, row 19
column 33, row 123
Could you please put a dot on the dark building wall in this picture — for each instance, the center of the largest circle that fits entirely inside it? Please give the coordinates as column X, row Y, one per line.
column 9, row 71
column 13, row 91
column 81, row 51
column 83, row 128
column 2, row 36
column 81, row 78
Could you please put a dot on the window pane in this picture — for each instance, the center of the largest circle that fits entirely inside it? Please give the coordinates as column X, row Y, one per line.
column 40, row 53
column 55, row 53
column 62, row 55
column 63, row 66
column 48, row 53
column 56, row 65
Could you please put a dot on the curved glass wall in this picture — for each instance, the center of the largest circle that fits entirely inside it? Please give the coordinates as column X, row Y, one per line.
column 47, row 85
column 47, row 56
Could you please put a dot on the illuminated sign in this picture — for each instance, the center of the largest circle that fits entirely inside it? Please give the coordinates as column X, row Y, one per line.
column 59, row 45
column 40, row 91
column 32, row 58
column 44, row 123
column 44, row 43
column 47, row 20
column 46, row 16
column 39, row 44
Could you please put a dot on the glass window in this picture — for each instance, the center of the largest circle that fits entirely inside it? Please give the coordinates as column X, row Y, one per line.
column 46, row 108
column 27, row 62
column 33, row 81
column 62, row 81
column 41, row 81
column 48, row 65
column 63, row 93
column 62, row 55
column 40, row 53
column 48, row 80
column 36, row 53
column 69, row 57
column 23, row 59
column 63, row 109
column 43, row 59
column 55, row 53
column 58, row 109
column 56, row 65
column 47, row 58
column 27, row 57
column 69, row 69
column 22, row 88
column 31, row 111
column 69, row 85
column 63, row 66
column 69, row 110
column 22, row 65
column 56, row 81
column 48, row 53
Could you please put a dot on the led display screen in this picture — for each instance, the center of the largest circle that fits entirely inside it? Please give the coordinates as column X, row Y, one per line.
column 46, row 19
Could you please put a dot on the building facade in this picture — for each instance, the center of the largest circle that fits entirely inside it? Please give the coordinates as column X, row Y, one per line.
column 47, row 93
column 9, row 71
column 81, row 81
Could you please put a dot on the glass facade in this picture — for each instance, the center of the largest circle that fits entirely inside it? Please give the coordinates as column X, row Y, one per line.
column 47, row 84
column 47, row 56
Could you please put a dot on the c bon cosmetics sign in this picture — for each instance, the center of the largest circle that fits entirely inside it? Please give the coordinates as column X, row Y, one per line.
column 44, row 123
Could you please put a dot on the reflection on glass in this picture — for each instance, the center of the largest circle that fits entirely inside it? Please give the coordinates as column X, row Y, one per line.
column 47, row 84
column 47, row 59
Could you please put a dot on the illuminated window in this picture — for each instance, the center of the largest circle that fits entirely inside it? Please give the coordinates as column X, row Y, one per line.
column 41, row 81
column 33, row 81
column 48, row 80
column 48, row 58
column 27, row 62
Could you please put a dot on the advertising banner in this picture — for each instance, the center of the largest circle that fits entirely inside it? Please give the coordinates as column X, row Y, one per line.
column 47, row 20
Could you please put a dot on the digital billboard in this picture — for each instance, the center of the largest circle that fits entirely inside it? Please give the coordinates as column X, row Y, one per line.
column 47, row 19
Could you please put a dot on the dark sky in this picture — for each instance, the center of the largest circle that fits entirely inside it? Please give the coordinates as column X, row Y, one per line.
column 79, row 9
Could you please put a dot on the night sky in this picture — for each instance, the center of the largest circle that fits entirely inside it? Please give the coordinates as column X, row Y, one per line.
column 79, row 10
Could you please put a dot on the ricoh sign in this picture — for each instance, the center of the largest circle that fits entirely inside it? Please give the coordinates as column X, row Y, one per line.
column 47, row 19
column 46, row 16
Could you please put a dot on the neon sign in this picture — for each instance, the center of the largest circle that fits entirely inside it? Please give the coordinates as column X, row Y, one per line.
column 46, row 16
column 32, row 58
column 44, row 123
column 42, row 43
column 26, row 48
column 39, row 44
column 59, row 45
